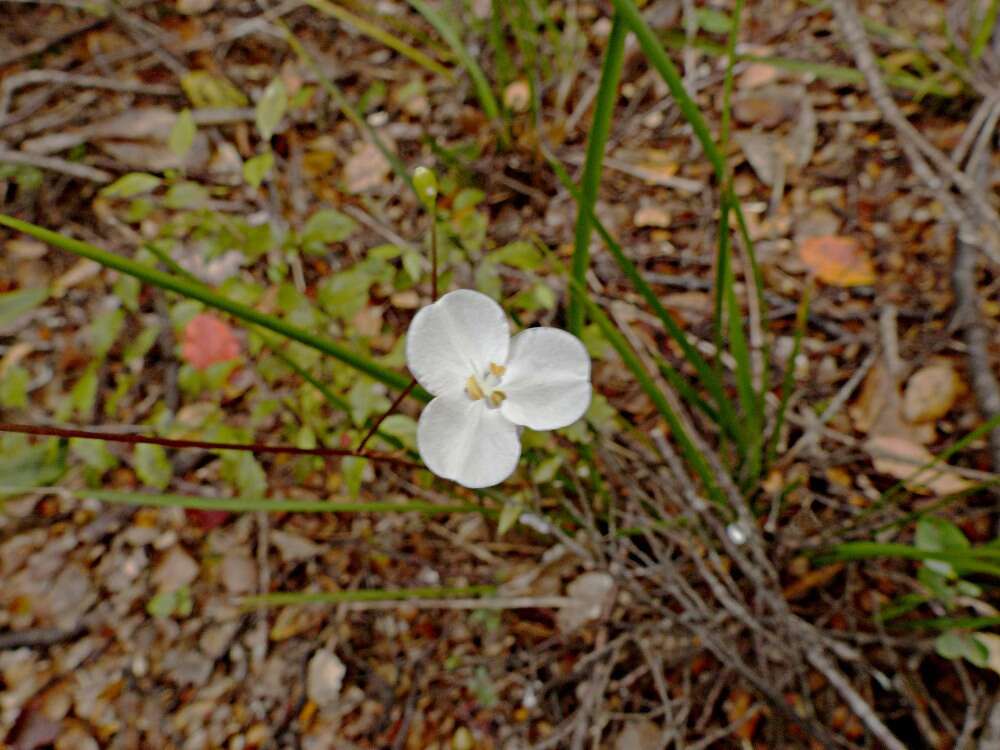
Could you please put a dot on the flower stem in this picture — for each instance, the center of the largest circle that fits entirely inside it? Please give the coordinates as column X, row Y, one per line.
column 378, row 422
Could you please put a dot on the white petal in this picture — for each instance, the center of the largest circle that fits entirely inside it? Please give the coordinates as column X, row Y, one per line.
column 467, row 442
column 547, row 382
column 456, row 337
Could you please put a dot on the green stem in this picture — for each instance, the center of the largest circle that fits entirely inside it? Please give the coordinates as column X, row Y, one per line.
column 280, row 598
column 211, row 298
column 597, row 140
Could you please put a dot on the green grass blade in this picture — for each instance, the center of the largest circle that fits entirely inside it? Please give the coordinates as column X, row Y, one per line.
column 972, row 560
column 597, row 140
column 984, row 30
column 707, row 377
column 664, row 66
column 727, row 81
column 380, row 35
column 479, row 81
column 337, row 402
column 252, row 505
column 285, row 598
column 788, row 381
column 204, row 294
column 691, row 453
column 344, row 105
column 832, row 73
column 961, row 623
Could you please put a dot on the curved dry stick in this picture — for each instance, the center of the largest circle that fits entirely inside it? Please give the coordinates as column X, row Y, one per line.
column 934, row 167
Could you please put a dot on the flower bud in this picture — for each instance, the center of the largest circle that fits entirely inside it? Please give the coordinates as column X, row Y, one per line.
column 426, row 184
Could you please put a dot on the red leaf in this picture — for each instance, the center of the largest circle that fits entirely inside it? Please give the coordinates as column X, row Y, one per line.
column 208, row 340
column 207, row 519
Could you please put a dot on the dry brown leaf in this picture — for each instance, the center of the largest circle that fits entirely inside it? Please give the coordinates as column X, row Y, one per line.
column 639, row 735
column 811, row 580
column 517, row 96
column 839, row 261
column 651, row 216
column 591, row 594
column 366, row 169
column 931, row 392
column 757, row 75
column 901, row 458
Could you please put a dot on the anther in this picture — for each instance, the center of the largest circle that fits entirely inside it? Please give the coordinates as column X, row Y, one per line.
column 473, row 389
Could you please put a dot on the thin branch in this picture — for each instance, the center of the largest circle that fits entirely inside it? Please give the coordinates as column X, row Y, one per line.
column 27, row 429
column 54, row 164
column 378, row 422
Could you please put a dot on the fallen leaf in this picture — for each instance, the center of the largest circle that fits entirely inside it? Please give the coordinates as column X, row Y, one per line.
column 839, row 261
column 652, row 216
column 931, row 392
column 811, row 580
column 757, row 75
column 517, row 96
column 208, row 340
column 590, row 594
column 206, row 519
column 639, row 735
column 324, row 679
column 902, row 458
column 367, row 168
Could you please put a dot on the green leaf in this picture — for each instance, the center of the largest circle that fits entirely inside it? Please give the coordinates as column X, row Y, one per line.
column 15, row 304
column 14, row 388
column 152, row 465
column 182, row 133
column 139, row 346
column 326, row 226
column 520, row 254
column 271, row 108
column 546, row 471
column 954, row 644
column 206, row 90
column 935, row 535
column 186, row 195
column 169, row 603
column 84, row 393
column 401, row 427
column 94, row 453
column 256, row 169
column 353, row 468
column 245, row 473
column 104, row 331
column 23, row 465
column 131, row 185
column 127, row 290
column 199, row 293
column 344, row 294
column 713, row 21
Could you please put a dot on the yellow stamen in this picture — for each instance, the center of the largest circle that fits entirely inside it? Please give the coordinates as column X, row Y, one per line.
column 473, row 389
column 497, row 397
column 497, row 370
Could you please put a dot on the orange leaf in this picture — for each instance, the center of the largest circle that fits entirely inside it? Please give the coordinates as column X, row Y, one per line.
column 208, row 340
column 840, row 261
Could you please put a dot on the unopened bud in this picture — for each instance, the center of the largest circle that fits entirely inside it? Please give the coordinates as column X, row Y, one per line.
column 426, row 184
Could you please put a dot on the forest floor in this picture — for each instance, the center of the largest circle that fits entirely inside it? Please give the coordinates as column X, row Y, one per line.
column 145, row 128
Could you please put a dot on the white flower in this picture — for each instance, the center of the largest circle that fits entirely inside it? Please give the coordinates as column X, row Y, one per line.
column 487, row 386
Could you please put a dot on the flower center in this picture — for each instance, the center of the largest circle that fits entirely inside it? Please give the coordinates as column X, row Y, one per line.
column 484, row 386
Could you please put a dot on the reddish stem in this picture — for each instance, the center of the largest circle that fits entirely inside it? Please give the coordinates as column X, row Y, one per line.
column 63, row 432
